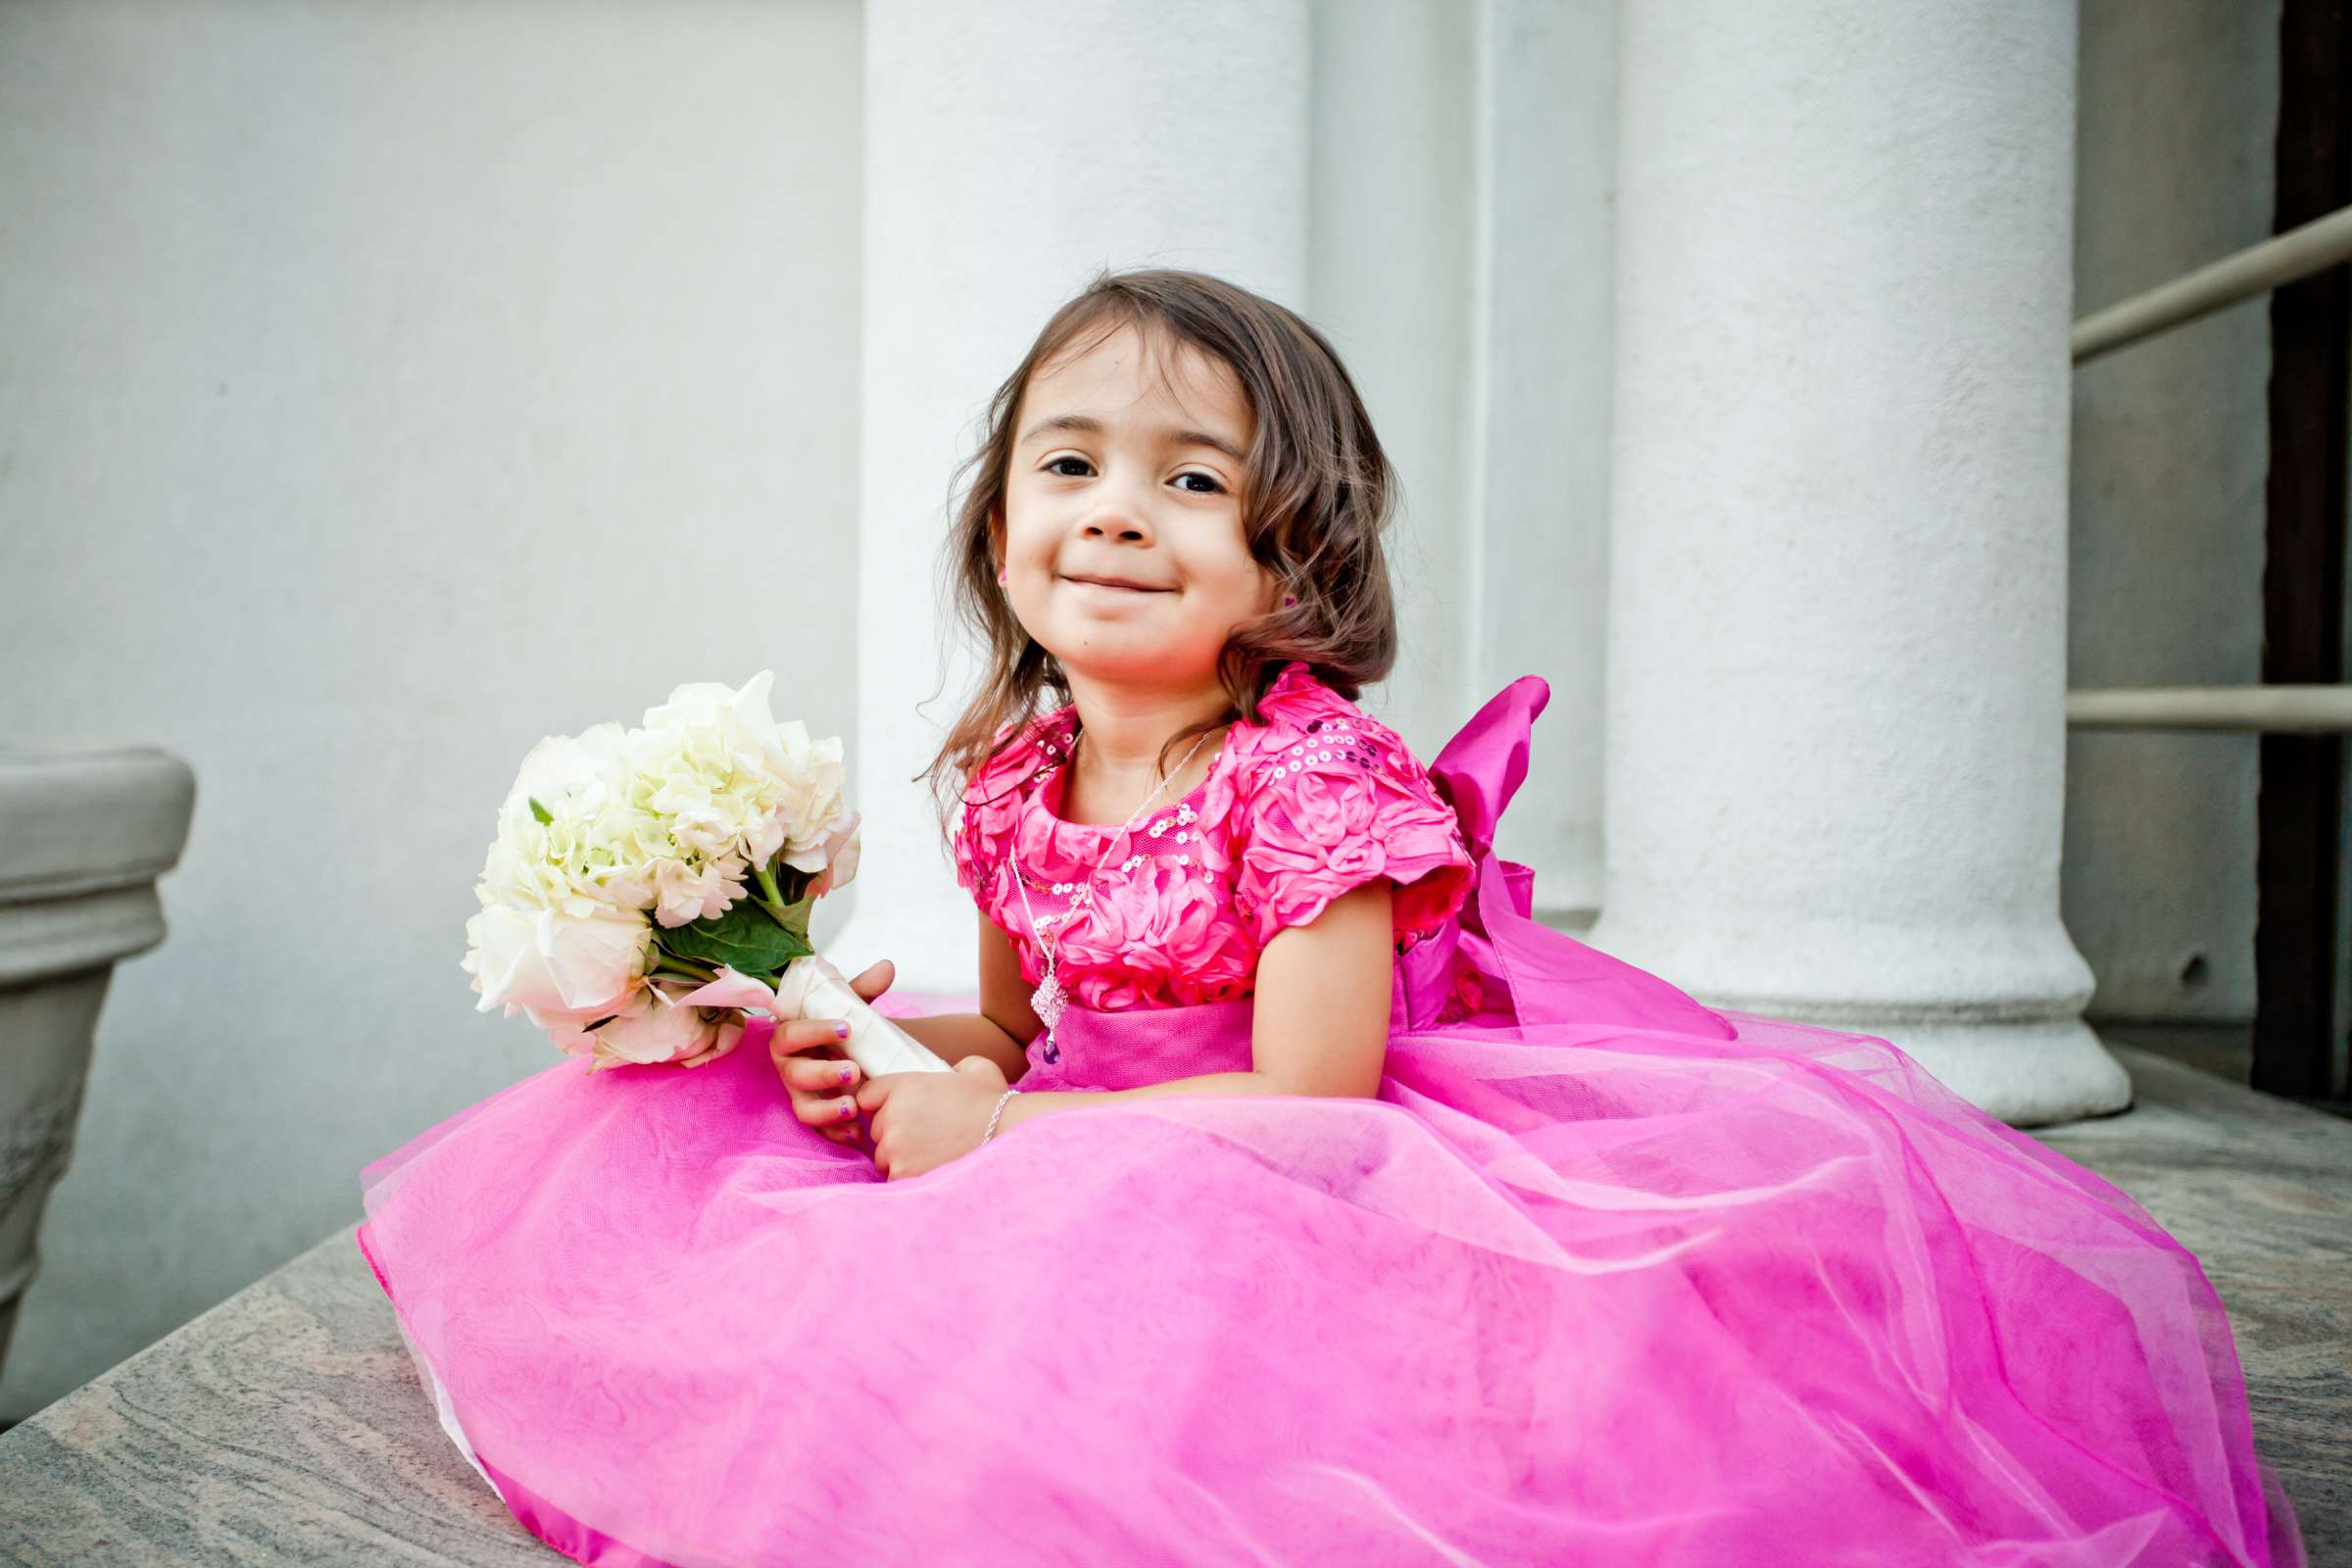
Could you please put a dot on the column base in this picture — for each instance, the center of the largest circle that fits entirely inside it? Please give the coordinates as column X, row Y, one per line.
column 2028, row 1072
column 1992, row 1009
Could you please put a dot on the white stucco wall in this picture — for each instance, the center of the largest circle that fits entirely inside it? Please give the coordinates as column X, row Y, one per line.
column 385, row 388
column 2174, row 170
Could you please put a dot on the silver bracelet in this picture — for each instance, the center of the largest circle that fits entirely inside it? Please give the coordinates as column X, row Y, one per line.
column 998, row 1111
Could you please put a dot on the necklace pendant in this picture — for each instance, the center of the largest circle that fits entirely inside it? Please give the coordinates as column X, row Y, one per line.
column 1047, row 1001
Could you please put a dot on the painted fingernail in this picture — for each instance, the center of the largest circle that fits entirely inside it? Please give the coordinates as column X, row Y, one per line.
column 842, row 1030
column 848, row 1108
column 847, row 1072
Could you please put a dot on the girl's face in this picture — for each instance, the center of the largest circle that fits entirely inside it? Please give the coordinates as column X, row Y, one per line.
column 1115, row 477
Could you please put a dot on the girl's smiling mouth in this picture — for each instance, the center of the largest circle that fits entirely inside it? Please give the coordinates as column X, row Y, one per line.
column 1108, row 585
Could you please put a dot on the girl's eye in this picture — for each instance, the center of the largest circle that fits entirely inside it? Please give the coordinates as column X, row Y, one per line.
column 1214, row 488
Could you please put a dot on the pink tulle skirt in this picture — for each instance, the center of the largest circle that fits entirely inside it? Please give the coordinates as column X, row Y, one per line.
column 1602, row 1276
column 1595, row 1295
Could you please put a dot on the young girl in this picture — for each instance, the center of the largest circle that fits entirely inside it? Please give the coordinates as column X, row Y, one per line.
column 1296, row 1198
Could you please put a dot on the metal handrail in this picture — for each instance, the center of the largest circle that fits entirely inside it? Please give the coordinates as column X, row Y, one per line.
column 2296, row 254
column 2313, row 709
column 2310, row 710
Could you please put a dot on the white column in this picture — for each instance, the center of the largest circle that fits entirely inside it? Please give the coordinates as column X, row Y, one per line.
column 1537, row 508
column 1011, row 148
column 1838, row 595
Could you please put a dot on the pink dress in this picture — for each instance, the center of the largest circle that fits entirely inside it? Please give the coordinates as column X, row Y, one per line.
column 1602, row 1276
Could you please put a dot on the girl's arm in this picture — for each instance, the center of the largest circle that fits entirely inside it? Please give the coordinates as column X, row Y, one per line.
column 1319, row 1024
column 1004, row 1026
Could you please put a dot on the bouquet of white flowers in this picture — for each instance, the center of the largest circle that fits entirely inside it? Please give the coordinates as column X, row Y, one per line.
column 647, row 885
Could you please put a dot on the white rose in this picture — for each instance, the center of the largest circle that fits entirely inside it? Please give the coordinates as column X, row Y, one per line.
column 593, row 766
column 655, row 1029
column 568, row 1027
column 811, row 809
column 724, row 728
column 544, row 958
column 841, row 857
column 702, row 704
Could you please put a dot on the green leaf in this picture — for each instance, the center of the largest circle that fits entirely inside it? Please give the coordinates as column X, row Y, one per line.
column 544, row 815
column 745, row 938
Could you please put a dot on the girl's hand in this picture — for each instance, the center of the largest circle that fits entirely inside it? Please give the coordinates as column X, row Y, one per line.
column 818, row 1077
column 924, row 1119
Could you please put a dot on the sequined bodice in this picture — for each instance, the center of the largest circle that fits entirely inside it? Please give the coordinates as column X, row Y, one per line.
column 1316, row 799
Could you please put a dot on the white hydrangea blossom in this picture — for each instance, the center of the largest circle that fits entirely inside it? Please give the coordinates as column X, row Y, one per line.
column 725, row 787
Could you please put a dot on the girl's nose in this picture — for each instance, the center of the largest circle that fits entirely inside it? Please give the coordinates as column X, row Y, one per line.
column 1117, row 527
column 1116, row 519
column 1120, row 504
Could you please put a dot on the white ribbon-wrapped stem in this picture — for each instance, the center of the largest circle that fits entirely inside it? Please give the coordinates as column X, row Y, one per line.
column 811, row 988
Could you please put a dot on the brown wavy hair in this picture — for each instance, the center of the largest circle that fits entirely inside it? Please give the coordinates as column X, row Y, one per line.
column 1317, row 497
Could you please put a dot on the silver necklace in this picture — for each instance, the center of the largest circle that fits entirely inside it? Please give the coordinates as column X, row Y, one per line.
column 1049, row 999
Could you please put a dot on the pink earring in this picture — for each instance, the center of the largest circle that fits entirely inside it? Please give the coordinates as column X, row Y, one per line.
column 999, row 574
column 1288, row 600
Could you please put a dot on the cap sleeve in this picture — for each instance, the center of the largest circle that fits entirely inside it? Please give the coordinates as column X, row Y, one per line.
column 1325, row 813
